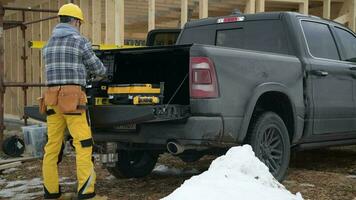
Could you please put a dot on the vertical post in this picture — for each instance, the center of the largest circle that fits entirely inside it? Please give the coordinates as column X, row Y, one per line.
column 86, row 28
column 303, row 7
column 24, row 58
column 2, row 87
column 183, row 12
column 119, row 22
column 96, row 29
column 250, row 6
column 151, row 14
column 326, row 9
column 352, row 15
column 260, row 6
column 110, row 21
column 203, row 9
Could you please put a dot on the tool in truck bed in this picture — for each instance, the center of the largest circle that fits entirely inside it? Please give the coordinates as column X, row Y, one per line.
column 137, row 94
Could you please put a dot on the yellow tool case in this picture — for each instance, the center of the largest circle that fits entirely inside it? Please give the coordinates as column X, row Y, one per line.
column 136, row 94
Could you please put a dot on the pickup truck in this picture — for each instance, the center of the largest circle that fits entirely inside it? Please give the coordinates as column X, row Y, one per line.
column 278, row 81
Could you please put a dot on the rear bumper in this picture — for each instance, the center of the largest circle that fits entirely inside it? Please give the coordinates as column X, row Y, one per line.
column 195, row 130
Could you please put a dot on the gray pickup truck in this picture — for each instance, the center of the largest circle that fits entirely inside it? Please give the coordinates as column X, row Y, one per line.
column 277, row 81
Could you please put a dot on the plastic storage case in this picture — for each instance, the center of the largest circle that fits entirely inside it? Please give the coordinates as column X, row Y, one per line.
column 35, row 137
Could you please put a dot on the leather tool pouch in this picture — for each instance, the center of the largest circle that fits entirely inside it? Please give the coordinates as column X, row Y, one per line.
column 51, row 96
column 71, row 99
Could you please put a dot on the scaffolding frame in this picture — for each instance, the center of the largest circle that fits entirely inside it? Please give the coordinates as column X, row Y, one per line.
column 5, row 25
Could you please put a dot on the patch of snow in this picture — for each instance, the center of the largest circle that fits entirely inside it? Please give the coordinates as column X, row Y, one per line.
column 165, row 170
column 10, row 170
column 19, row 189
column 307, row 185
column 239, row 174
column 351, row 176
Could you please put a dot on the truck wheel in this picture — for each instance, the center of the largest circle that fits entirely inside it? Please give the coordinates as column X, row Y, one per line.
column 269, row 139
column 134, row 164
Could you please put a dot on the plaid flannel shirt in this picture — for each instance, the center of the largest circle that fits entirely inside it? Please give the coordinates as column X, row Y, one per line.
column 68, row 58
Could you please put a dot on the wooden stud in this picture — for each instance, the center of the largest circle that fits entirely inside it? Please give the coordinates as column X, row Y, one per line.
column 7, row 69
column 303, row 7
column 86, row 27
column 13, row 67
column 19, row 68
column 352, row 15
column 184, row 13
column 326, row 9
column 151, row 14
column 36, row 56
column 29, row 69
column 44, row 36
column 203, row 9
column 110, row 21
column 250, row 6
column 53, row 22
column 119, row 22
column 96, row 18
column 260, row 6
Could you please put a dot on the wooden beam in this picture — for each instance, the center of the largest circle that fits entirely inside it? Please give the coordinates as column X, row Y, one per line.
column 250, row 6
column 203, row 9
column 151, row 14
column 260, row 6
column 183, row 12
column 345, row 8
column 352, row 15
column 342, row 19
column 326, row 9
column 96, row 18
column 86, row 27
column 303, row 7
column 10, row 165
column 119, row 22
column 110, row 21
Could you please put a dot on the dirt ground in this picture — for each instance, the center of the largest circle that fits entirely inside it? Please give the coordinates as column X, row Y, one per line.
column 325, row 174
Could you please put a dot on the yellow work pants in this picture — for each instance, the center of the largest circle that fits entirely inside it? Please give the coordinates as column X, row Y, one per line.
column 82, row 141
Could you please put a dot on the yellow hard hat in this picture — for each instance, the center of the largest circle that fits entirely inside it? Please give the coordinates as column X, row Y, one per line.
column 71, row 10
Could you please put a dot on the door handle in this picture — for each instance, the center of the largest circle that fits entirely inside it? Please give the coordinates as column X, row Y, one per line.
column 320, row 73
column 352, row 68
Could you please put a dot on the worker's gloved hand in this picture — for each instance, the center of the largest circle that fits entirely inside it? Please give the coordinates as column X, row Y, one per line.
column 97, row 78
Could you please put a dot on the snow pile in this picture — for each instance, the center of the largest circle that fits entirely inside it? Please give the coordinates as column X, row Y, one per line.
column 236, row 175
column 165, row 170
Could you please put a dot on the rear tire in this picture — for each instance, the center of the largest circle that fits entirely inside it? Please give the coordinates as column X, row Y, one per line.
column 134, row 164
column 269, row 139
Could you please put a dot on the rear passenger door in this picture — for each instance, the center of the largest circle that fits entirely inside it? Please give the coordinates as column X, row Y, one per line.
column 332, row 82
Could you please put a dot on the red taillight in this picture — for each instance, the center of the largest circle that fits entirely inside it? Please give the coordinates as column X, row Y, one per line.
column 203, row 82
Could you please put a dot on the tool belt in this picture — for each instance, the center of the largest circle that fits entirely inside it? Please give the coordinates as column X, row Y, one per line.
column 68, row 99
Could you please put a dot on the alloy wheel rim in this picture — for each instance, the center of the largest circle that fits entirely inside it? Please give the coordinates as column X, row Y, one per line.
column 271, row 149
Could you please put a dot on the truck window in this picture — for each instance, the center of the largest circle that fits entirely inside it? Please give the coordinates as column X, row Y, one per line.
column 320, row 42
column 266, row 35
column 198, row 35
column 348, row 43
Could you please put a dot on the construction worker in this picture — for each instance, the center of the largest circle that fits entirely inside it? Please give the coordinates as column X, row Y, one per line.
column 68, row 59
